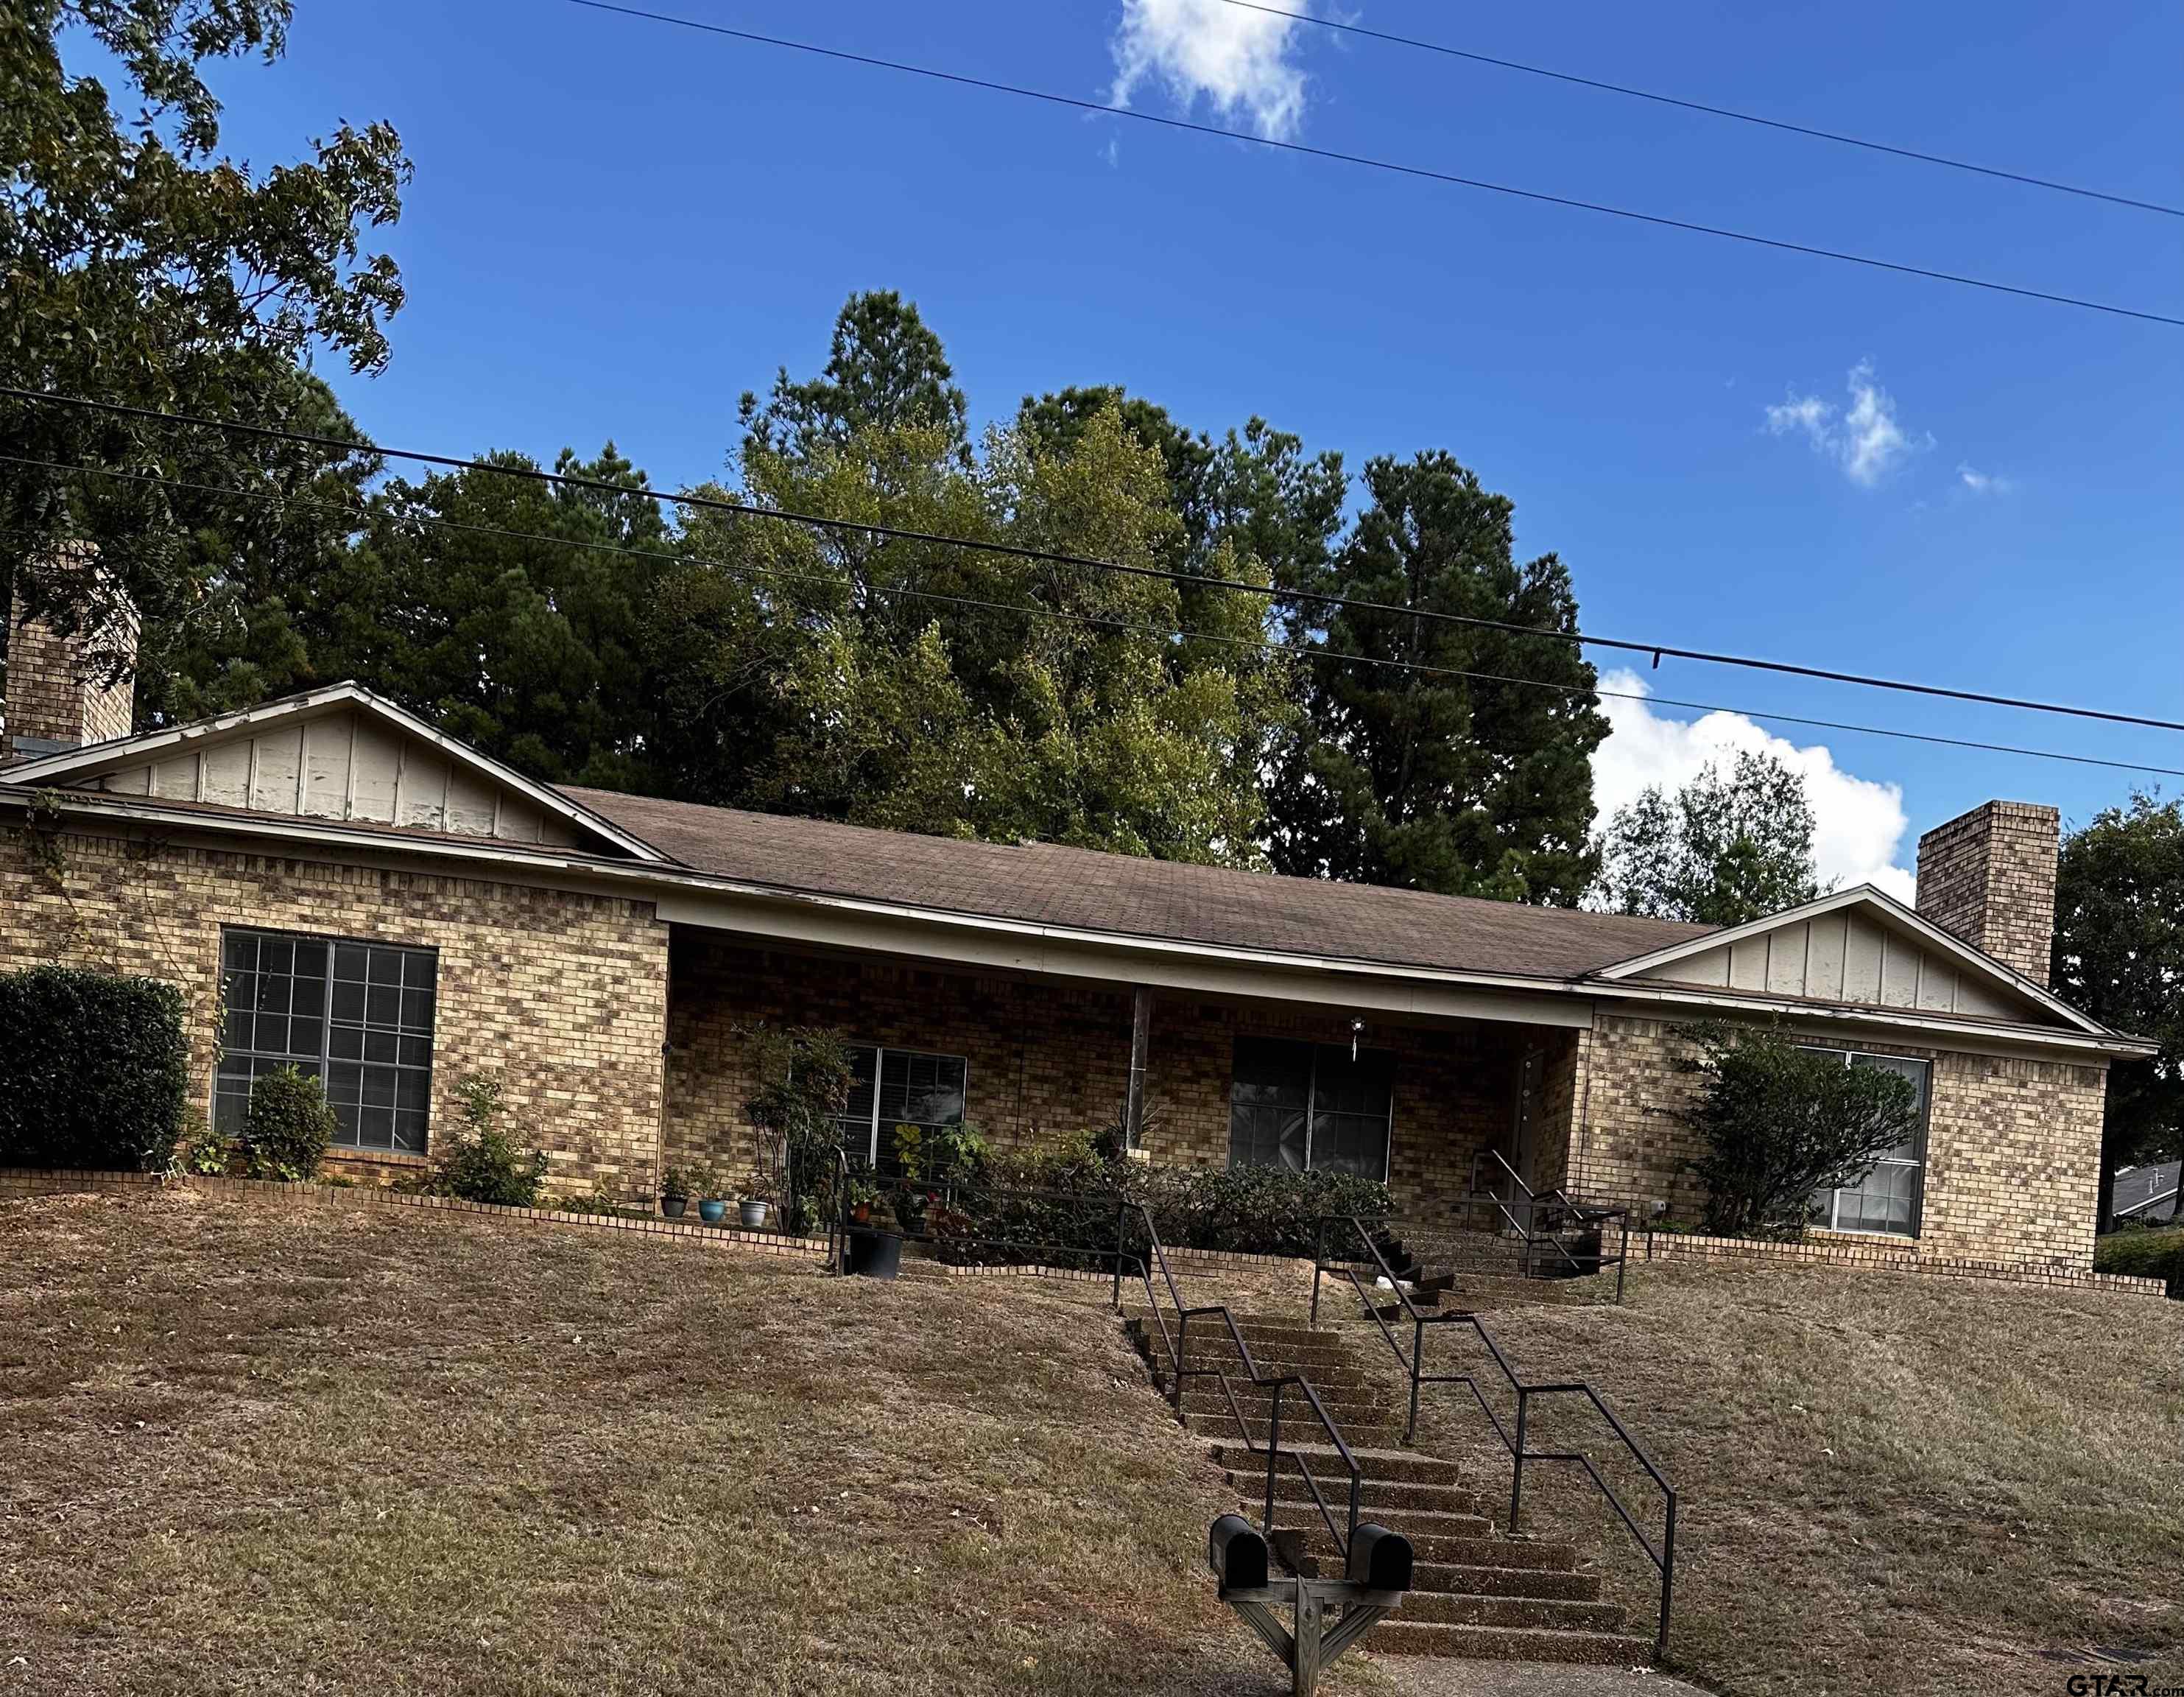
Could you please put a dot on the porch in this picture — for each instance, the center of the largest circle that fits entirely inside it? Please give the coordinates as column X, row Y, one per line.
column 1225, row 1078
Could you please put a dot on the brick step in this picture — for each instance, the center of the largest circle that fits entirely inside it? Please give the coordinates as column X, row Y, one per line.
column 1378, row 1498
column 1343, row 1404
column 1398, row 1637
column 1452, row 1608
column 1387, row 1465
column 1469, row 1580
column 1454, row 1549
column 1298, row 1509
column 1330, row 1359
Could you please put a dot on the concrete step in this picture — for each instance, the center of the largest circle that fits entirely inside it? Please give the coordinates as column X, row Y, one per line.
column 1471, row 1580
column 1333, row 1374
column 1343, row 1403
column 1385, row 1465
column 1304, row 1428
column 1255, row 1329
column 1450, row 1609
column 1379, row 1497
column 1398, row 1637
column 1452, row 1550
column 1299, row 1509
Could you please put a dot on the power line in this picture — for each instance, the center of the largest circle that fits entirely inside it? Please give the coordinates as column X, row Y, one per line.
column 1476, row 57
column 1659, row 651
column 1369, row 162
column 1307, row 653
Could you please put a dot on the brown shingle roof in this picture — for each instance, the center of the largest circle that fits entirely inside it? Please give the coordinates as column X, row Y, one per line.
column 1045, row 884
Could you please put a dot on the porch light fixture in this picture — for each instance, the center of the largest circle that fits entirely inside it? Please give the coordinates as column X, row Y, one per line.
column 1357, row 1030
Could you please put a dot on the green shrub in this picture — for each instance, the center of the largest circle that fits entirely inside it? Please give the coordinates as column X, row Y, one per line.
column 286, row 1132
column 2144, row 1252
column 1779, row 1123
column 483, row 1163
column 94, row 1070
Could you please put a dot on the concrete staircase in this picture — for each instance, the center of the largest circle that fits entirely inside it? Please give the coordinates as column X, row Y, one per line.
column 1477, row 1592
column 1436, row 1264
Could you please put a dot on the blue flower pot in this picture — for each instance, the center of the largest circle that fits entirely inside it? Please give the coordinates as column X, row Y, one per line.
column 711, row 1209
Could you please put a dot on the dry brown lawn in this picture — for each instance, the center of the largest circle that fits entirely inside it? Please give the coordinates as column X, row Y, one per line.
column 253, row 1451
column 1890, row 1484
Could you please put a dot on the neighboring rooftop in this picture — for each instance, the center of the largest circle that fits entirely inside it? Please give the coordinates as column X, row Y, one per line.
column 1045, row 884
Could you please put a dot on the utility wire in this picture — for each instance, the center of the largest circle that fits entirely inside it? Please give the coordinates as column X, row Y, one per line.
column 1371, row 163
column 1054, row 556
column 1476, row 57
column 1305, row 652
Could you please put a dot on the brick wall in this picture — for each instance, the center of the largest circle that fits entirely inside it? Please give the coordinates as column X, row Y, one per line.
column 1989, row 878
column 60, row 689
column 2013, row 1146
column 1048, row 1059
column 561, row 997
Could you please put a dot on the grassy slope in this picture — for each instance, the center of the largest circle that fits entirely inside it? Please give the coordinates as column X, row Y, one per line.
column 255, row 1451
column 1890, row 1484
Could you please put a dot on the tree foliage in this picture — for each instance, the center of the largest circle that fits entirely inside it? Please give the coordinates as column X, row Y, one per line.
column 138, row 264
column 1780, row 1124
column 1727, row 848
column 1408, row 773
column 2119, row 957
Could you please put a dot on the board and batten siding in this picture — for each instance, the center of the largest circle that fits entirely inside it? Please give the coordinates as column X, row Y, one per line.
column 345, row 766
column 1845, row 957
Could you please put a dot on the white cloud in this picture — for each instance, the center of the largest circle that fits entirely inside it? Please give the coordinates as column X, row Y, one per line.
column 1239, row 60
column 1864, row 438
column 1859, row 824
column 1984, row 482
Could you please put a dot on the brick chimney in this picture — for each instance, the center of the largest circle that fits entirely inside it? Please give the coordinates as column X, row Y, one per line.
column 64, row 691
column 1988, row 878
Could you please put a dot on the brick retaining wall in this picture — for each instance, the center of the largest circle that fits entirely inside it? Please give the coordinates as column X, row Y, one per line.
column 1677, row 1246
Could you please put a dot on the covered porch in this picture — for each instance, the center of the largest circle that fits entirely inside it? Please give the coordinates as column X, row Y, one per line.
column 1204, row 1075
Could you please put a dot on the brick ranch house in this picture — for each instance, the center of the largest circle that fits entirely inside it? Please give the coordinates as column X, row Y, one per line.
column 334, row 884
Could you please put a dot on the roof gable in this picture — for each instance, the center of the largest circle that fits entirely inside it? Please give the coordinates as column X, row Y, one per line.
column 1860, row 948
column 339, row 753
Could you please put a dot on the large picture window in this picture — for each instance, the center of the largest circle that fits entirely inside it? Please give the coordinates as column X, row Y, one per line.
column 1301, row 1105
column 899, row 1087
column 1889, row 1198
column 356, row 1016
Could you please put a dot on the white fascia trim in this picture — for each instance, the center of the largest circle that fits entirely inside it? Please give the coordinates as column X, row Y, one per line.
column 1860, row 895
column 80, row 762
column 1947, row 1033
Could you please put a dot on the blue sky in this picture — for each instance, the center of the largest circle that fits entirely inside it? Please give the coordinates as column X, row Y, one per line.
column 617, row 227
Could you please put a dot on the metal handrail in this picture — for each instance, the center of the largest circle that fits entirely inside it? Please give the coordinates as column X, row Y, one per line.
column 1662, row 1554
column 1585, row 1214
column 1178, row 1348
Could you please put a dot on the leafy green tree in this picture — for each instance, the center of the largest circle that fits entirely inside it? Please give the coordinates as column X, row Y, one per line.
column 886, row 372
column 1779, row 1123
column 2119, row 957
column 930, row 687
column 1463, row 784
column 509, row 612
column 1727, row 848
column 138, row 264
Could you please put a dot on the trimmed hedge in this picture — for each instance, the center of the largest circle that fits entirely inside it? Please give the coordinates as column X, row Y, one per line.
column 1059, row 1205
column 2144, row 1252
column 94, row 1070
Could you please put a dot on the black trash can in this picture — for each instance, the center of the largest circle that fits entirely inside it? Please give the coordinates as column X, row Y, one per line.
column 875, row 1254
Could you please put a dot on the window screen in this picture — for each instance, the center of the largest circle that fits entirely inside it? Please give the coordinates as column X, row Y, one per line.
column 356, row 1016
column 1300, row 1105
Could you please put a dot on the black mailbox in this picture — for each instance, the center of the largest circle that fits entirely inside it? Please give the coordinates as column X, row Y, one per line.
column 1379, row 1560
column 1238, row 1555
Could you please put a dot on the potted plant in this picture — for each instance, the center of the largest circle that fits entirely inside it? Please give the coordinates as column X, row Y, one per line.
column 675, row 1191
column 873, row 1251
column 752, row 1208
column 712, row 1205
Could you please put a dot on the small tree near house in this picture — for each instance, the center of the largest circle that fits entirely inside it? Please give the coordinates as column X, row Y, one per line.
column 1781, row 1124
column 804, row 1077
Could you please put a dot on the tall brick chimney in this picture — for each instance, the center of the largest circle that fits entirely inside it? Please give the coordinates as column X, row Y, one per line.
column 1988, row 877
column 64, row 691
